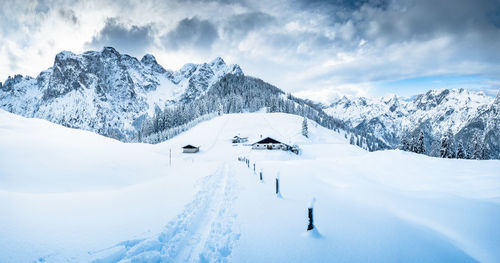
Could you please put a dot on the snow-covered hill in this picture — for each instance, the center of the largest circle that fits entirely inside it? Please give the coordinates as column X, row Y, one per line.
column 107, row 92
column 436, row 113
column 68, row 195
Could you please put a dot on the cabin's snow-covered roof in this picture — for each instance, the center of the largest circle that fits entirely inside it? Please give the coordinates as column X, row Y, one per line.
column 267, row 140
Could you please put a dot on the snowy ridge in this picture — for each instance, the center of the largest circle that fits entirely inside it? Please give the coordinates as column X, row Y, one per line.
column 446, row 109
column 107, row 92
column 436, row 112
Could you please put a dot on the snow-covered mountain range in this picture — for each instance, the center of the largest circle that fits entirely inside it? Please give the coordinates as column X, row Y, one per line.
column 122, row 97
column 107, row 92
column 466, row 115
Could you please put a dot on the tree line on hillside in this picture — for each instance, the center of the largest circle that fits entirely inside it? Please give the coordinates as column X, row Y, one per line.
column 445, row 147
column 237, row 94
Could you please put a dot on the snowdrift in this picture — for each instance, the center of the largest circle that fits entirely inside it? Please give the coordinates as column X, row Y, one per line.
column 68, row 195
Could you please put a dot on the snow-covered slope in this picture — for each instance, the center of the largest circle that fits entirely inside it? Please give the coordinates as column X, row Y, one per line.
column 436, row 112
column 68, row 195
column 107, row 92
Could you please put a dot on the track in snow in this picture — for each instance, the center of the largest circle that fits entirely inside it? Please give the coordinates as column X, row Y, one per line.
column 204, row 231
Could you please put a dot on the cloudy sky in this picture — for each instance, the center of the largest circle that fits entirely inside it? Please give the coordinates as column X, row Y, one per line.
column 312, row 48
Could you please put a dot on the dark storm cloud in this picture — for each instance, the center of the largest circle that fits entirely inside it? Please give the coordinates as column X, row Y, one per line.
column 342, row 4
column 426, row 19
column 68, row 15
column 219, row 1
column 399, row 21
column 338, row 10
column 241, row 24
column 191, row 33
column 133, row 39
column 435, row 35
column 42, row 7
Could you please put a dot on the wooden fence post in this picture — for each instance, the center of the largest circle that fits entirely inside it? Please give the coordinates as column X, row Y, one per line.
column 278, row 184
column 310, row 215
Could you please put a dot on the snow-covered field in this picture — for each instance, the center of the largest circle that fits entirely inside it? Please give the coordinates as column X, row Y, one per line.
column 73, row 196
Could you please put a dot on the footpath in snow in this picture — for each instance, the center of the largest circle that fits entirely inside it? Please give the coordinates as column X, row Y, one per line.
column 203, row 231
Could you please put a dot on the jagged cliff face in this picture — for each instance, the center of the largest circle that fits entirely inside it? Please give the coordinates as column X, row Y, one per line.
column 485, row 126
column 463, row 113
column 107, row 92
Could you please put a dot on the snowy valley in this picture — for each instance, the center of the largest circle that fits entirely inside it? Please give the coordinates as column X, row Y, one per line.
column 210, row 131
column 69, row 195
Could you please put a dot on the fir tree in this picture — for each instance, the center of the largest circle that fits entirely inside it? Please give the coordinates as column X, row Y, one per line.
column 405, row 143
column 444, row 151
column 420, row 143
column 305, row 131
column 460, row 151
column 220, row 109
column 477, row 147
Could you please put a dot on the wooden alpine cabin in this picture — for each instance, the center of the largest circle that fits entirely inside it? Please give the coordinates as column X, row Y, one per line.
column 238, row 139
column 270, row 144
column 190, row 149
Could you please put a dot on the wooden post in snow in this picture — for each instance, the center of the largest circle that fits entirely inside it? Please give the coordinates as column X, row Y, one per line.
column 278, row 184
column 254, row 167
column 260, row 175
column 310, row 215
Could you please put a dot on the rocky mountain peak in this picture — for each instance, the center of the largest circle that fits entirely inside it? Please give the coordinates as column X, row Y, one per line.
column 217, row 62
column 66, row 61
column 148, row 59
column 13, row 80
column 392, row 102
column 497, row 99
column 107, row 92
column 431, row 99
column 236, row 70
column 390, row 98
column 110, row 52
column 188, row 69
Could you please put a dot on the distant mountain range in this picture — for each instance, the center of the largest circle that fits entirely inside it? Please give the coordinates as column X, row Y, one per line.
column 119, row 96
column 463, row 117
